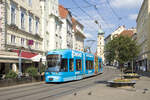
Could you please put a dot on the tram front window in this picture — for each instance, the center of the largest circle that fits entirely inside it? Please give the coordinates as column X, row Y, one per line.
column 53, row 63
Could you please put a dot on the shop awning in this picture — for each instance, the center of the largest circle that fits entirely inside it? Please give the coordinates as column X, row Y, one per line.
column 26, row 54
column 37, row 58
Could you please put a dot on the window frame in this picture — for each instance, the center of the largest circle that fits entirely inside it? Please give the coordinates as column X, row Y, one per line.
column 72, row 65
column 13, row 39
column 22, row 20
column 13, row 15
column 22, row 41
column 66, row 63
column 30, row 23
column 89, row 64
column 36, row 25
column 79, row 68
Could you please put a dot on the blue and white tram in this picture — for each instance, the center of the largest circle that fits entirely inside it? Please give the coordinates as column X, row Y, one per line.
column 68, row 65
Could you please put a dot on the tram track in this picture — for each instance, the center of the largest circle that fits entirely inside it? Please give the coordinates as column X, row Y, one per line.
column 75, row 89
column 67, row 88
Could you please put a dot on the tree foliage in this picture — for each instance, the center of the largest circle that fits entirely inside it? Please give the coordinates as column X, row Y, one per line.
column 32, row 71
column 11, row 74
column 122, row 49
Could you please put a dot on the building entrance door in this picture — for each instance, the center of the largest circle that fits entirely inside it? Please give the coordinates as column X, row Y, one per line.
column 2, row 69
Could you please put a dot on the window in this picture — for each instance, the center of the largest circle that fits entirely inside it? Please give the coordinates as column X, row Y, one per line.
column 78, row 65
column 22, row 41
column 71, row 65
column 36, row 45
column 22, row 19
column 13, row 39
column 36, row 25
column 100, row 64
column 89, row 64
column 30, row 2
column 64, row 65
column 13, row 14
column 30, row 23
column 47, row 43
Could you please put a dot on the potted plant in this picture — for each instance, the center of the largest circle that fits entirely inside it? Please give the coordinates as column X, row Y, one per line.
column 121, row 49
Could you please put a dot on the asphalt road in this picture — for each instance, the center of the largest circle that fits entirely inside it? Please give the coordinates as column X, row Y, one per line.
column 42, row 91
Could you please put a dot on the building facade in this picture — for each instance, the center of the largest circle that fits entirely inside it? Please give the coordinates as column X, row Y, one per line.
column 78, row 35
column 100, row 45
column 114, row 34
column 52, row 25
column 21, row 31
column 66, row 30
column 143, row 34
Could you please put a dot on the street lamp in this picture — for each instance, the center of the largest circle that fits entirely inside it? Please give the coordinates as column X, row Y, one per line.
column 20, row 68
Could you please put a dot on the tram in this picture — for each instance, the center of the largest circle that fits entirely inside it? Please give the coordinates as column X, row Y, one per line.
column 67, row 65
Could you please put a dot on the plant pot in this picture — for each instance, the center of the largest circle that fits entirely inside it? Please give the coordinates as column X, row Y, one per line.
column 114, row 83
column 131, row 75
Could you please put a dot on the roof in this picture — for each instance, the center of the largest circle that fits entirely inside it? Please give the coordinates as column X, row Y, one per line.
column 75, row 22
column 63, row 12
column 129, row 33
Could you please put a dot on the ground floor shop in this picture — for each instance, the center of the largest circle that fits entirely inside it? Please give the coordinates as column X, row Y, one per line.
column 10, row 61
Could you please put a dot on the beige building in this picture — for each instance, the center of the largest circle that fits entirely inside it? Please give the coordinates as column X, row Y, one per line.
column 78, row 36
column 143, row 35
column 100, row 45
column 114, row 34
column 21, row 29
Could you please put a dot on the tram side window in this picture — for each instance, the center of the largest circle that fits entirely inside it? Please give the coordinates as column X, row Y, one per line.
column 71, row 65
column 64, row 65
column 78, row 65
column 89, row 64
column 99, row 64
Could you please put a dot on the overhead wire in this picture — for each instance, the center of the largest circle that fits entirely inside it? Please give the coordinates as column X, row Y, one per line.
column 96, row 9
column 90, row 17
column 113, row 11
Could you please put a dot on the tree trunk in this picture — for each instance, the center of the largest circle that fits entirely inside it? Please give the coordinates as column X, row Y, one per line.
column 132, row 66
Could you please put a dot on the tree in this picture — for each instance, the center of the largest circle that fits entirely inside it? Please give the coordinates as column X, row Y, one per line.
column 122, row 49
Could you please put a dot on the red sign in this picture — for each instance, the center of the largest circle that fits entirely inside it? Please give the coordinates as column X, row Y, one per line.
column 30, row 42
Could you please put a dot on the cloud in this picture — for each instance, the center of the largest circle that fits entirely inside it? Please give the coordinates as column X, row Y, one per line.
column 132, row 16
column 126, row 3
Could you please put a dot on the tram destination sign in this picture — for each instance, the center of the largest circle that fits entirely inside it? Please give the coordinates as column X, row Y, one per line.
column 54, row 56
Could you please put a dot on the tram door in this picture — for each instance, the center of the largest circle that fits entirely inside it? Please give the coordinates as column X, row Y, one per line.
column 78, row 68
column 96, row 64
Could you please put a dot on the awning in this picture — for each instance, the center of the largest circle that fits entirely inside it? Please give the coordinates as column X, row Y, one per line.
column 38, row 57
column 26, row 54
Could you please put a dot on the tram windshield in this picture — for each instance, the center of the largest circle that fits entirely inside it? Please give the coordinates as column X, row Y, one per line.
column 56, row 64
column 53, row 63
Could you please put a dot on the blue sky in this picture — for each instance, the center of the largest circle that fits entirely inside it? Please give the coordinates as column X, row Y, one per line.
column 109, row 13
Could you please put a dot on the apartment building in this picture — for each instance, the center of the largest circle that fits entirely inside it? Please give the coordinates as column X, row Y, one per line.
column 78, row 35
column 114, row 34
column 66, row 30
column 143, row 35
column 21, row 31
column 52, row 25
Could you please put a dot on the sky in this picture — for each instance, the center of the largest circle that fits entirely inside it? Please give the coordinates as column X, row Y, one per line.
column 109, row 13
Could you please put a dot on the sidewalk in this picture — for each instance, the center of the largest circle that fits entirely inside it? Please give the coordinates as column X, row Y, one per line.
column 102, row 92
